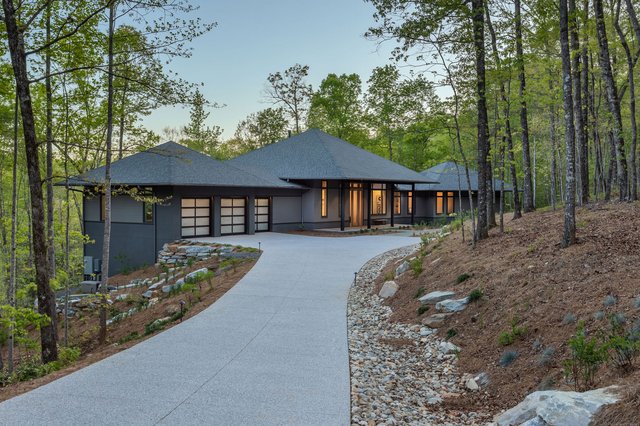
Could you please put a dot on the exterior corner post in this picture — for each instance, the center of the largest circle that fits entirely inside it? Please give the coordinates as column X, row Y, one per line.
column 393, row 203
column 413, row 203
column 368, row 205
column 342, row 205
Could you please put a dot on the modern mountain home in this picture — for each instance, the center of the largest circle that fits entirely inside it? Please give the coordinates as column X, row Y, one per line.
column 309, row 181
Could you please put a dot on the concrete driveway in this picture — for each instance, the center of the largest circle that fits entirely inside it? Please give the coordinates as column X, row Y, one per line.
column 273, row 350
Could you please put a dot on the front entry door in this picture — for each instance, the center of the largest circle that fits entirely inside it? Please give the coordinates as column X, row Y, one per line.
column 356, row 204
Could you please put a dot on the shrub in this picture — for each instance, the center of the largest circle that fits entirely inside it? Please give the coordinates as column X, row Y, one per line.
column 505, row 338
column 569, row 318
column 416, row 266
column 419, row 293
column 617, row 319
column 546, row 356
column 129, row 337
column 451, row 333
column 598, row 316
column 156, row 325
column 587, row 355
column 507, row 358
column 389, row 276
column 422, row 309
column 609, row 301
column 475, row 295
column 68, row 356
column 462, row 278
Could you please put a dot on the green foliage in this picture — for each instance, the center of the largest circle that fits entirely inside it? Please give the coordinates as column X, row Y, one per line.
column 422, row 309
column 416, row 266
column 598, row 316
column 587, row 355
column 610, row 301
column 507, row 338
column 451, row 333
column 155, row 325
column 475, row 295
column 420, row 292
column 31, row 368
column 129, row 337
column 507, row 358
column 462, row 278
column 546, row 356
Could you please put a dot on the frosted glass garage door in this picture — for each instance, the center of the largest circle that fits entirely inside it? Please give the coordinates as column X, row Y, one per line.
column 262, row 214
column 233, row 215
column 195, row 216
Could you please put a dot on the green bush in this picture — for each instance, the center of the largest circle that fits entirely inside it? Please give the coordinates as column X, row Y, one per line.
column 156, row 325
column 129, row 337
column 462, row 278
column 609, row 301
column 569, row 318
column 422, row 309
column 419, row 293
column 475, row 295
column 587, row 355
column 451, row 333
column 416, row 266
column 506, row 338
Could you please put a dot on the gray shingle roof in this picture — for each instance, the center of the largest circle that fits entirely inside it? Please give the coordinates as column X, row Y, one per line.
column 315, row 154
column 173, row 164
column 446, row 176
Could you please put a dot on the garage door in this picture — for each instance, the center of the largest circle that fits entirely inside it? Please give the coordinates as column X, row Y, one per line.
column 196, row 217
column 262, row 214
column 233, row 215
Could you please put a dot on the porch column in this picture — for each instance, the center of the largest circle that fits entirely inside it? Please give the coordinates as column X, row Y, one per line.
column 250, row 215
column 392, row 191
column 368, row 189
column 342, row 205
column 413, row 202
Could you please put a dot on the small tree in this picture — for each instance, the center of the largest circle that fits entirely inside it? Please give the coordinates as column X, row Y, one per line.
column 198, row 135
column 290, row 90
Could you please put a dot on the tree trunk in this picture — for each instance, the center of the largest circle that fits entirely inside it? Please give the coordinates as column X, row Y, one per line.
column 613, row 102
column 13, row 265
column 46, row 299
column 524, row 124
column 477, row 7
column 582, row 163
column 122, row 119
column 107, row 184
column 51, row 253
column 552, row 138
column 584, row 80
column 632, row 105
column 569, row 235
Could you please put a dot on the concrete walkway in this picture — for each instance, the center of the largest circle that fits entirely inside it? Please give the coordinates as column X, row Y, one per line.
column 273, row 350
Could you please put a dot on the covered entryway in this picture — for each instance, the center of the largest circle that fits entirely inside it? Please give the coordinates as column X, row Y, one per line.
column 261, row 210
column 195, row 216
column 356, row 205
column 233, row 216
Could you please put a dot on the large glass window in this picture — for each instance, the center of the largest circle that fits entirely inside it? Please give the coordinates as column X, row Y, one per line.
column 409, row 202
column 379, row 199
column 450, row 202
column 196, row 217
column 323, row 199
column 397, row 209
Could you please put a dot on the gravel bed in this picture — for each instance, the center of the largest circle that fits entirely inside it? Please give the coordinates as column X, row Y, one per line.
column 399, row 375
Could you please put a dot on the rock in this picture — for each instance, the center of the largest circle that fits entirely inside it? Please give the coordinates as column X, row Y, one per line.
column 452, row 305
column 426, row 331
column 121, row 297
column 435, row 320
column 558, row 407
column 448, row 348
column 156, row 285
column 194, row 274
column 172, row 310
column 472, row 385
column 435, row 297
column 148, row 294
column 404, row 267
column 435, row 262
column 388, row 289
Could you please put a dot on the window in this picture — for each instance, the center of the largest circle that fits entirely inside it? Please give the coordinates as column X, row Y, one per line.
column 233, row 214
column 323, row 199
column 379, row 199
column 147, row 209
column 439, row 203
column 450, row 202
column 396, row 203
column 262, row 214
column 409, row 202
column 196, row 217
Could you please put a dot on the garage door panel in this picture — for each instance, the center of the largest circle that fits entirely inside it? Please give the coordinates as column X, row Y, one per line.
column 261, row 214
column 195, row 217
column 233, row 215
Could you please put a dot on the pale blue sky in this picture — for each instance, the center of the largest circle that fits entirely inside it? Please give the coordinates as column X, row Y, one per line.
column 255, row 38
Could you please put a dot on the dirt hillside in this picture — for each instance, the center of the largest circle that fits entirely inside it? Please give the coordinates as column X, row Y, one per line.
column 529, row 282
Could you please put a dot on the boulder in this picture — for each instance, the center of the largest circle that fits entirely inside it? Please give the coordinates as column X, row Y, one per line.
column 558, row 408
column 122, row 297
column 148, row 294
column 435, row 297
column 435, row 320
column 194, row 274
column 477, row 382
column 452, row 305
column 448, row 348
column 388, row 289
column 404, row 267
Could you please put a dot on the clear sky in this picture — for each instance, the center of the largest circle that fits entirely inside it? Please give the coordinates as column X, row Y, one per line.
column 255, row 38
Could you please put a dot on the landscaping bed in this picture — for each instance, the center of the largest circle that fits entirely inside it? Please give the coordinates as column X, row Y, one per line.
column 136, row 313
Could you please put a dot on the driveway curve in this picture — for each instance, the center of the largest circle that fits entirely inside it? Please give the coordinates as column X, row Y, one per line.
column 272, row 351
